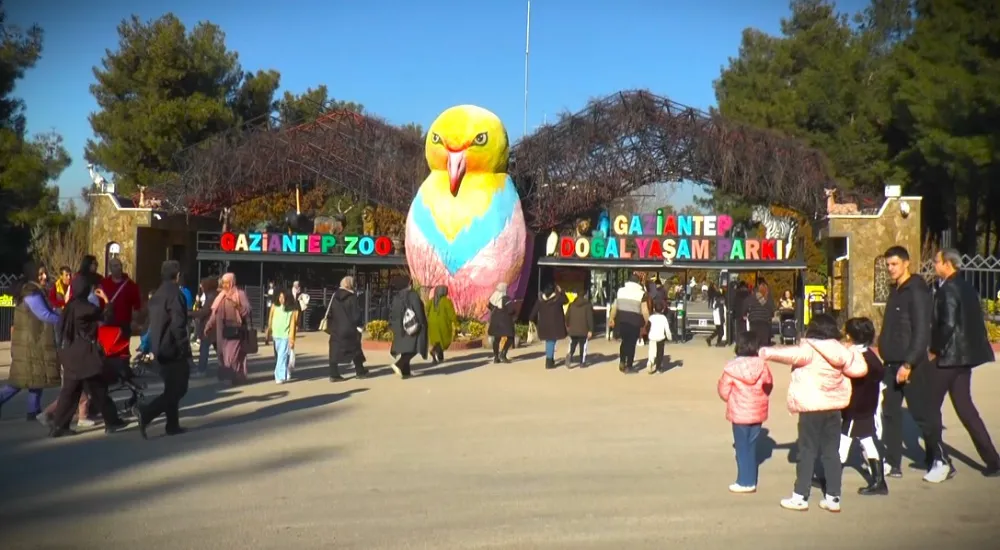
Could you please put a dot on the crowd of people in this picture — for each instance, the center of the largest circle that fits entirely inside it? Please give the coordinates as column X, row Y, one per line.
column 844, row 392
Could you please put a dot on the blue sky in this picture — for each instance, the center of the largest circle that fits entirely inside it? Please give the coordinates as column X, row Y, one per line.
column 407, row 61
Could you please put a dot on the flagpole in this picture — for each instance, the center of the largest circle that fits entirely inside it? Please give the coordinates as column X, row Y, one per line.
column 527, row 51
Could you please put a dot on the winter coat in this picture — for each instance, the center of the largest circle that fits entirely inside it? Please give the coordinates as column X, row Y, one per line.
column 580, row 318
column 169, row 340
column 34, row 363
column 502, row 319
column 201, row 317
column 549, row 317
column 745, row 386
column 345, row 323
column 441, row 321
column 630, row 307
column 867, row 390
column 820, row 372
column 81, row 356
column 401, row 341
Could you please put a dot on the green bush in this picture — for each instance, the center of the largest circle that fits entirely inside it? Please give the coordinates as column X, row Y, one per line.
column 471, row 328
column 521, row 331
column 379, row 330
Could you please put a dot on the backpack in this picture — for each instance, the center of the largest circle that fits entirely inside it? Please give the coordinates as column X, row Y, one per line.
column 411, row 325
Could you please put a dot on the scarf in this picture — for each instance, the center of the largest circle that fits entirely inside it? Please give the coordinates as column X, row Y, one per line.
column 498, row 295
column 439, row 292
column 233, row 294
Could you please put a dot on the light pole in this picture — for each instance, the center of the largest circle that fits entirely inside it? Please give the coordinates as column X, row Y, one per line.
column 527, row 51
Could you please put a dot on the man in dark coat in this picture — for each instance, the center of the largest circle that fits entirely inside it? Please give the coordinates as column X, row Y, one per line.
column 345, row 323
column 959, row 343
column 903, row 343
column 407, row 311
column 171, row 348
column 550, row 319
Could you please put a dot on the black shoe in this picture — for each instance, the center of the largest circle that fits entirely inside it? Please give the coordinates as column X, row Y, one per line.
column 622, row 367
column 503, row 358
column 114, row 426
column 877, row 486
column 61, row 432
column 709, row 341
column 337, row 378
column 142, row 422
column 176, row 431
column 550, row 364
column 894, row 472
column 30, row 417
column 496, row 359
column 991, row 471
column 361, row 374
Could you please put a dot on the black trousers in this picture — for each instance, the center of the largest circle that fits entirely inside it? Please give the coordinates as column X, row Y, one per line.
column 358, row 361
column 629, row 335
column 508, row 341
column 819, row 437
column 403, row 362
column 175, row 376
column 957, row 382
column 69, row 400
column 762, row 330
column 917, row 393
column 716, row 335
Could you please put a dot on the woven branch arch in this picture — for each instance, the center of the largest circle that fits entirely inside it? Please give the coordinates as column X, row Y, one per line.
column 604, row 152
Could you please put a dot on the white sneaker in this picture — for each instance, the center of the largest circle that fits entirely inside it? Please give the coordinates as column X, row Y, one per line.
column 85, row 423
column 830, row 504
column 940, row 472
column 737, row 488
column 797, row 503
column 651, row 368
column 44, row 420
column 396, row 369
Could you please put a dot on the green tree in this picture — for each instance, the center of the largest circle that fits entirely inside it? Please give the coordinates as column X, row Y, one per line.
column 166, row 89
column 946, row 102
column 823, row 81
column 308, row 106
column 27, row 165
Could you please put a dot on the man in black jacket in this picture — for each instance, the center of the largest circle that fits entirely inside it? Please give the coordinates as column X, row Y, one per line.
column 903, row 345
column 958, row 344
column 171, row 348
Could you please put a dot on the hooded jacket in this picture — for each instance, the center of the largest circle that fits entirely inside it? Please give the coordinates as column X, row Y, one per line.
column 745, row 386
column 549, row 317
column 820, row 372
column 580, row 317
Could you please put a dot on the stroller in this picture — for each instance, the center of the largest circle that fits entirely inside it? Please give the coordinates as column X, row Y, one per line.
column 121, row 374
column 788, row 330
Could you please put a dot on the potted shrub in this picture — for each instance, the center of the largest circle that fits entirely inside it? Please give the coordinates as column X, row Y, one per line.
column 468, row 334
column 377, row 335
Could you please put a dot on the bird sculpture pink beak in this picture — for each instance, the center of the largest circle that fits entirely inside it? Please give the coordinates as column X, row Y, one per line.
column 456, row 170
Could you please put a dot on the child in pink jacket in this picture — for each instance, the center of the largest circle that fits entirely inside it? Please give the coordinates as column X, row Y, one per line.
column 745, row 385
column 819, row 390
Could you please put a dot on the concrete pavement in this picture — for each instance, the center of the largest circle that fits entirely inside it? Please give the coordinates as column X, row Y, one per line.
column 465, row 455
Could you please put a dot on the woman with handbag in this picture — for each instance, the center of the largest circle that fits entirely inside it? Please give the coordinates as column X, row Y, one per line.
column 408, row 323
column 83, row 362
column 230, row 318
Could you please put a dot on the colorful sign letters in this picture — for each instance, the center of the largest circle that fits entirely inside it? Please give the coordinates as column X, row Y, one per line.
column 655, row 236
column 314, row 244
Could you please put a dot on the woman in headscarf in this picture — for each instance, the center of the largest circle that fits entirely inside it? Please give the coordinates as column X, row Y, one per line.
column 83, row 362
column 34, row 365
column 230, row 318
column 408, row 323
column 441, row 321
column 345, row 323
column 502, row 311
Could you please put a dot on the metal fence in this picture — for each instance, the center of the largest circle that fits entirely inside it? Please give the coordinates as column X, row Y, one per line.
column 6, row 305
column 374, row 301
column 983, row 272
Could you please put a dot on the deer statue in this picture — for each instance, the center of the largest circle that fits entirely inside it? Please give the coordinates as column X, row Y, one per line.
column 224, row 217
column 142, row 196
column 333, row 225
column 833, row 208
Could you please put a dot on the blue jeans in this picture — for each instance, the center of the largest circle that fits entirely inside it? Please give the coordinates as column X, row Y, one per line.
column 144, row 342
column 34, row 397
column 281, row 360
column 745, row 437
column 550, row 349
column 203, row 351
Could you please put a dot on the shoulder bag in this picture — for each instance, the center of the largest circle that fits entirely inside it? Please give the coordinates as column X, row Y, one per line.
column 322, row 323
column 411, row 325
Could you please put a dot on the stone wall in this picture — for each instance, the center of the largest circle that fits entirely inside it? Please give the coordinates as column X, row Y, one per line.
column 868, row 237
column 109, row 222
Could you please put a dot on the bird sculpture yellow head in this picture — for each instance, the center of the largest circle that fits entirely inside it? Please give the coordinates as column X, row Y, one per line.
column 466, row 140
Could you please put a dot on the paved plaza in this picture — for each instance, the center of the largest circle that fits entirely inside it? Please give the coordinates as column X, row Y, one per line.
column 465, row 455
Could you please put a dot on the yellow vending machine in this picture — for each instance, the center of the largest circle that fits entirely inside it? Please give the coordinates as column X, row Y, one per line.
column 815, row 297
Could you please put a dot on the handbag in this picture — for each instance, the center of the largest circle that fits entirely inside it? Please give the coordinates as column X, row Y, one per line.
column 322, row 322
column 235, row 331
column 410, row 324
column 291, row 360
column 249, row 336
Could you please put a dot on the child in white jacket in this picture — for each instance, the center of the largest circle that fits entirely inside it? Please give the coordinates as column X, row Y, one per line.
column 659, row 333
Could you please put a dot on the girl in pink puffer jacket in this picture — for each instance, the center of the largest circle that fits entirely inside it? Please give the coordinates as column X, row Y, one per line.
column 745, row 385
column 819, row 390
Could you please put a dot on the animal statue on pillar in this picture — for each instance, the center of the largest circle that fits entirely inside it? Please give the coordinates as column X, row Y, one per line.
column 833, row 208
column 775, row 227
